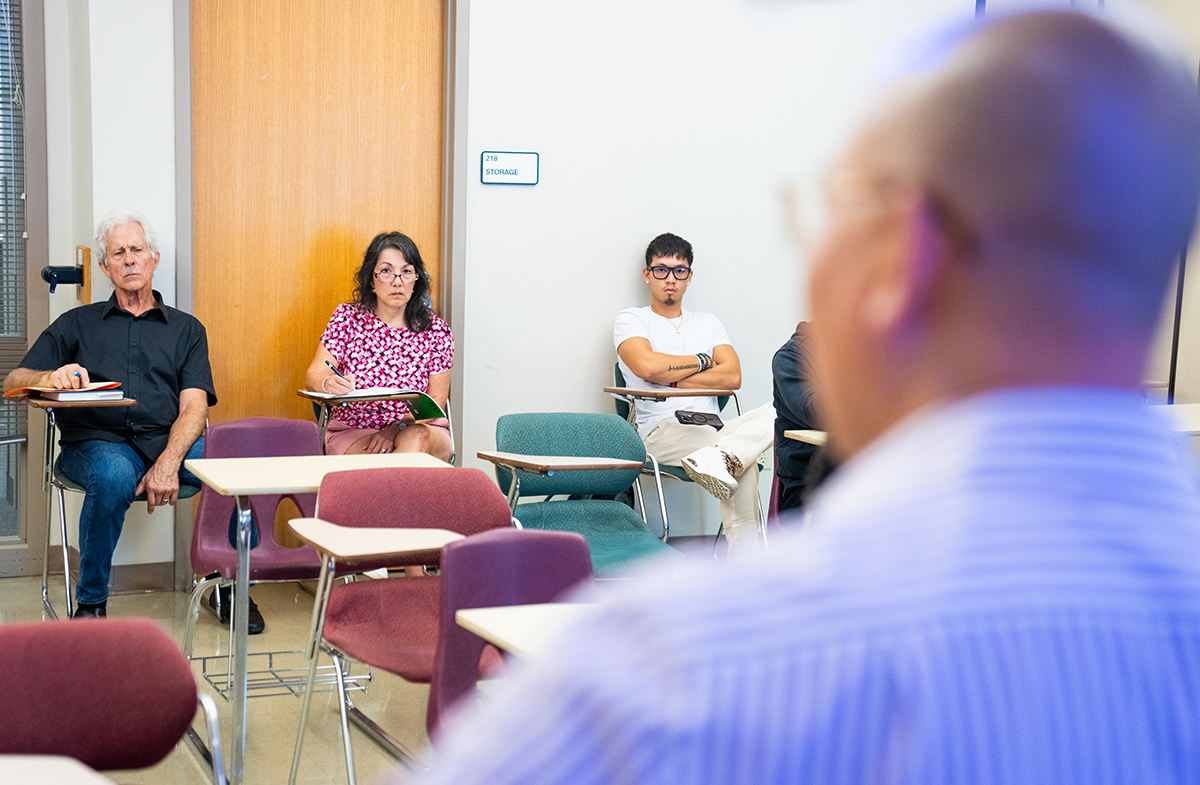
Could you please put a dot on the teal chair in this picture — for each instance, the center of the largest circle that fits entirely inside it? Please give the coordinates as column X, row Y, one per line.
column 616, row 535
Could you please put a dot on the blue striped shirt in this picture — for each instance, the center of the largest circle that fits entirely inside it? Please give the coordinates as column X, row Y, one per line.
column 1002, row 590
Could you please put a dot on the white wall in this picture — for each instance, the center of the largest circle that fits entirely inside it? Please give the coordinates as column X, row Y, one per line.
column 110, row 144
column 649, row 117
column 1179, row 19
column 1184, row 18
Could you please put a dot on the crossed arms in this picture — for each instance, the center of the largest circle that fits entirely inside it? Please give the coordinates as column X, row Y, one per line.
column 682, row 369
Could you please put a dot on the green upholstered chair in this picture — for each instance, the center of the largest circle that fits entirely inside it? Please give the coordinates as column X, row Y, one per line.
column 616, row 535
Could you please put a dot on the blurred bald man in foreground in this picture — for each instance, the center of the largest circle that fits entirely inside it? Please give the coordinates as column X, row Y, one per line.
column 1002, row 583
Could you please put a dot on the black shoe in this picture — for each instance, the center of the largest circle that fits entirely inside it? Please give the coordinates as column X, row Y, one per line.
column 257, row 623
column 85, row 611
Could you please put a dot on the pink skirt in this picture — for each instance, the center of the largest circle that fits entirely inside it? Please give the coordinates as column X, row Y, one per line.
column 340, row 437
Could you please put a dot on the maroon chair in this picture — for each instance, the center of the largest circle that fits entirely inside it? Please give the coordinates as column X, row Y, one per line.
column 391, row 623
column 111, row 693
column 503, row 567
column 254, row 437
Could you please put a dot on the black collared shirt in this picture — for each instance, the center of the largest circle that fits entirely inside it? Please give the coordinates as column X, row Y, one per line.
column 154, row 356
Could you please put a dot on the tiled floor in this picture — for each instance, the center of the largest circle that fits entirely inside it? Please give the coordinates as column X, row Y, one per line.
column 395, row 704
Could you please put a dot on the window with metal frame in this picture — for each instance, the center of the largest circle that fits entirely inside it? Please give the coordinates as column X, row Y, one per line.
column 12, row 257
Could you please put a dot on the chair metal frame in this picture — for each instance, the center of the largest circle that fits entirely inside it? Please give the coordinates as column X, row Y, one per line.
column 513, row 495
column 654, row 468
column 349, row 713
column 496, row 568
column 276, row 677
column 213, row 761
column 518, row 455
column 52, row 477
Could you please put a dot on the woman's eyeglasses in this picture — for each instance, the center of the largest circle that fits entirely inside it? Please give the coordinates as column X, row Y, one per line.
column 385, row 276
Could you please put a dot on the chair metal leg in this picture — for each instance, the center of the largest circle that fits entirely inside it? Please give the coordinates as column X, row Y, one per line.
column 762, row 519
column 323, row 423
column 662, row 502
column 189, row 629
column 46, row 558
column 339, row 664
column 385, row 740
column 240, row 647
column 62, row 531
column 324, row 586
column 214, row 737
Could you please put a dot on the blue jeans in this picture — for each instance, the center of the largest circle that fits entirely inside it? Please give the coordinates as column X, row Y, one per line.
column 110, row 472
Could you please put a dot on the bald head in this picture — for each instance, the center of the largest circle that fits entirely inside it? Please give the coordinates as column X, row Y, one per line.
column 1061, row 150
column 1010, row 217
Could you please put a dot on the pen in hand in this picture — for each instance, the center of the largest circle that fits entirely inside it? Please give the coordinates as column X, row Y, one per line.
column 334, row 368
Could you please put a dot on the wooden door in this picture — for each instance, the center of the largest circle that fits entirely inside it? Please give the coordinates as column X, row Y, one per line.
column 316, row 125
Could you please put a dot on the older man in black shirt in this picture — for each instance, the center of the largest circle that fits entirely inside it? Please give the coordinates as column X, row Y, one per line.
column 160, row 356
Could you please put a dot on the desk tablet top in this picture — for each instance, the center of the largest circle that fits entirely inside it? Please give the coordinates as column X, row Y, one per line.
column 320, row 397
column 543, row 464
column 293, row 473
column 807, row 436
column 1181, row 417
column 348, row 543
column 523, row 630
column 44, row 403
column 57, row 769
column 671, row 392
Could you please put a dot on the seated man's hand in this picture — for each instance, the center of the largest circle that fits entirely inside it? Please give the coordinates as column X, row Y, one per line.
column 69, row 377
column 160, row 484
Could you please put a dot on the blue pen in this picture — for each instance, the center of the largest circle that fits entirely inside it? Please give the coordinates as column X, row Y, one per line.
column 333, row 368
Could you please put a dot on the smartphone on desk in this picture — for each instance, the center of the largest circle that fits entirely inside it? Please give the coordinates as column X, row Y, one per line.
column 698, row 418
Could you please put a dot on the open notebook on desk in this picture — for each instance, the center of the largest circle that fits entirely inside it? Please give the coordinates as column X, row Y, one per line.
column 96, row 391
column 420, row 405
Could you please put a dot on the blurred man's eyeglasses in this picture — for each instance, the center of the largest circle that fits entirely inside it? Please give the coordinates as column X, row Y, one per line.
column 681, row 273
column 385, row 276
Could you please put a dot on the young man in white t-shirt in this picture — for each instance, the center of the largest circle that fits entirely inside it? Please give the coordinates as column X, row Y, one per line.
column 663, row 345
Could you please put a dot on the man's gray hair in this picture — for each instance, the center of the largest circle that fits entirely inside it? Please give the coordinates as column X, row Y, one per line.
column 115, row 219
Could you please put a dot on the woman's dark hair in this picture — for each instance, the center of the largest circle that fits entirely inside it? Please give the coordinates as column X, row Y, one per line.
column 417, row 314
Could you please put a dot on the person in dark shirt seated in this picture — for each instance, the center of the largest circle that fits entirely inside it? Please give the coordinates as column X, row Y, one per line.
column 160, row 356
column 791, row 375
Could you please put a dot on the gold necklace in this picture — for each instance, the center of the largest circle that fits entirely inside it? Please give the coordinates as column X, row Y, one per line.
column 677, row 327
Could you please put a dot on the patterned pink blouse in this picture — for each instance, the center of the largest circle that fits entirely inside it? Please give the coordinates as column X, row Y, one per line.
column 383, row 356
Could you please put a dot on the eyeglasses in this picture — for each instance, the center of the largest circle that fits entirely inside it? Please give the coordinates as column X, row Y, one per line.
column 681, row 273
column 386, row 275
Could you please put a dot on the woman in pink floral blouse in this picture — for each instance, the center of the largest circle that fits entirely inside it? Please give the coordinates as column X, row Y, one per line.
column 386, row 337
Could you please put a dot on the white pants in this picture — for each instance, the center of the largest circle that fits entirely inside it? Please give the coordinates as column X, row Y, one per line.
column 743, row 437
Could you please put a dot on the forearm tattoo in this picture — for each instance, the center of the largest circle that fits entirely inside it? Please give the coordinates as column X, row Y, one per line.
column 691, row 367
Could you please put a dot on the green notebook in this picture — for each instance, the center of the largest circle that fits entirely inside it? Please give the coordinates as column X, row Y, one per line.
column 420, row 405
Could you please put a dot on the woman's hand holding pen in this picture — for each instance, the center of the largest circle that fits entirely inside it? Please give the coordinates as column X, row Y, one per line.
column 337, row 383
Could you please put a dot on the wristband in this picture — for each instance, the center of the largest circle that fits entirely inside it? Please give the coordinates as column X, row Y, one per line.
column 323, row 380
